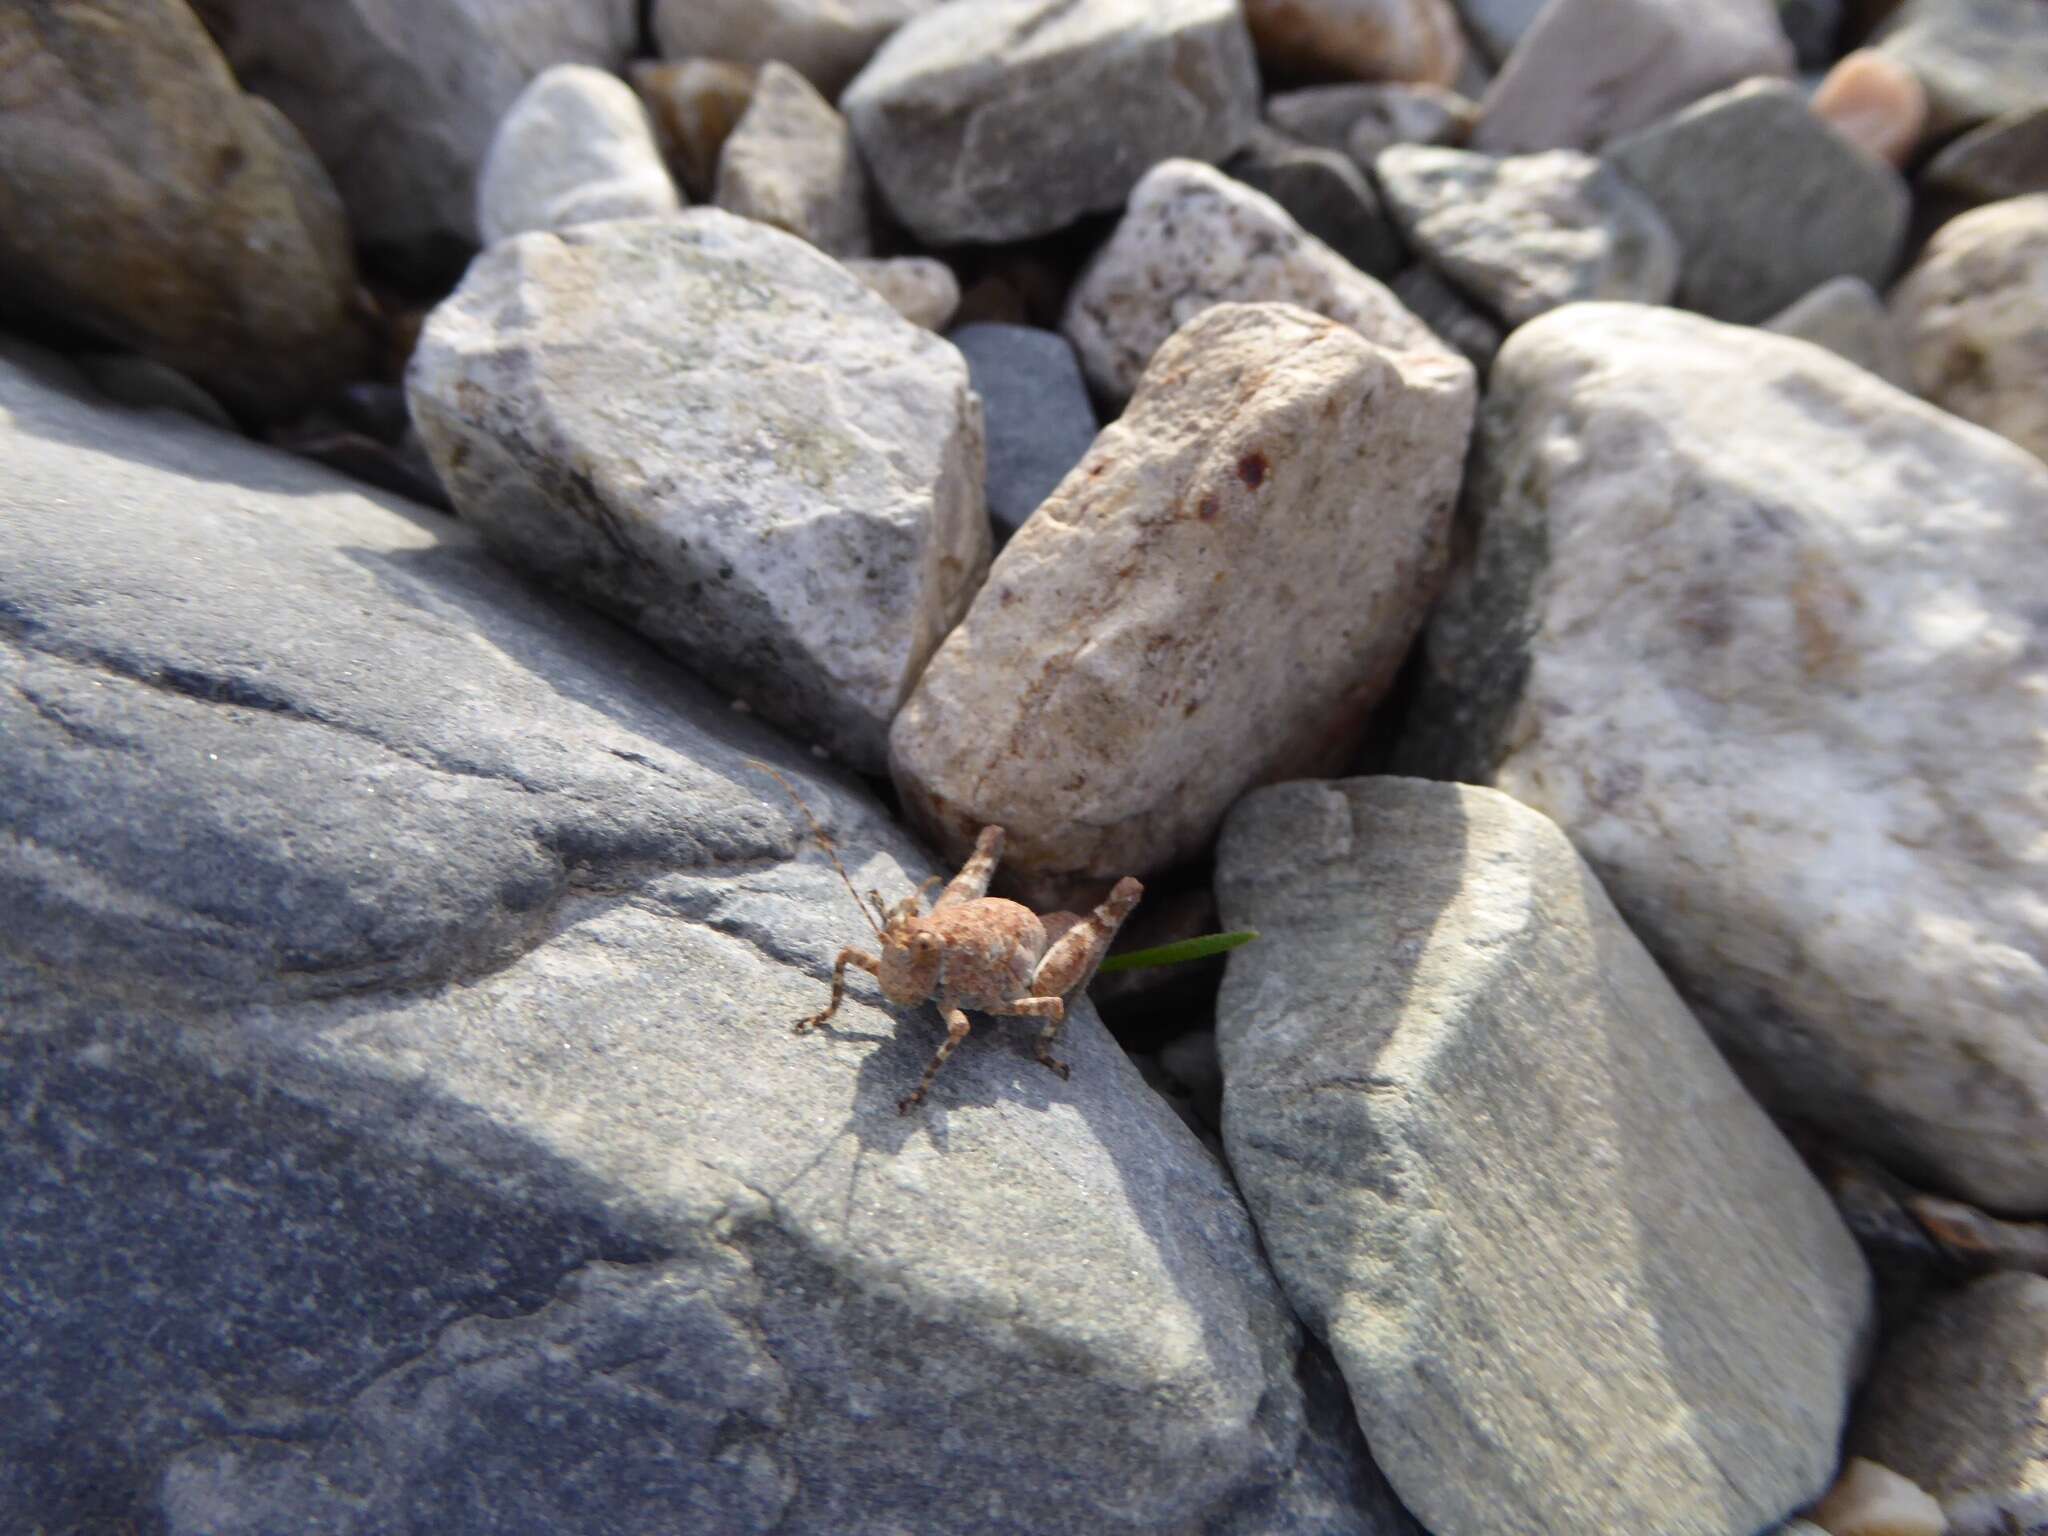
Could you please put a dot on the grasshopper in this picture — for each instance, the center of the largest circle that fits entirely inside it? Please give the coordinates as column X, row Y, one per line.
column 974, row 950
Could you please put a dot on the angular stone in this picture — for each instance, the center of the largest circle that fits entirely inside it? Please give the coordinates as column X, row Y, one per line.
column 1979, row 59
column 400, row 1127
column 1797, row 571
column 1974, row 315
column 1870, row 1500
column 827, row 41
column 1328, row 116
column 1216, row 596
column 1766, row 200
column 400, row 98
column 922, row 289
column 575, row 148
column 2007, row 157
column 1451, row 315
column 1326, row 193
column 1590, row 69
column 145, row 199
column 1498, row 25
column 695, row 105
column 791, row 163
column 726, row 439
column 1359, row 39
column 996, row 120
column 1192, row 237
column 1040, row 422
column 1876, row 103
column 1576, row 1279
column 1846, row 316
column 1524, row 234
column 1955, row 1404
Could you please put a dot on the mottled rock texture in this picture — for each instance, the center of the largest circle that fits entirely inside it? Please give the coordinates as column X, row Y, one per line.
column 400, row 1128
column 993, row 120
column 1216, row 596
column 1575, row 1278
column 1758, row 630
column 145, row 198
column 726, row 439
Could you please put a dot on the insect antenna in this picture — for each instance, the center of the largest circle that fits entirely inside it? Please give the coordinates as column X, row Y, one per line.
column 822, row 838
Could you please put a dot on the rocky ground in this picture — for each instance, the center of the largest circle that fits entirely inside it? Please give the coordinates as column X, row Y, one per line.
column 1536, row 507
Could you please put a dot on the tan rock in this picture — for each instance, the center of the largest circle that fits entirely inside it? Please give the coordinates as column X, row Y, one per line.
column 1215, row 597
column 695, row 104
column 1361, row 39
column 826, row 41
column 922, row 289
column 1876, row 103
column 1193, row 237
column 145, row 198
column 1974, row 314
column 791, row 162
column 1869, row 1500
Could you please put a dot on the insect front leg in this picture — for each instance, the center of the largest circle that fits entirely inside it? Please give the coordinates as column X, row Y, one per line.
column 861, row 958
column 956, row 1031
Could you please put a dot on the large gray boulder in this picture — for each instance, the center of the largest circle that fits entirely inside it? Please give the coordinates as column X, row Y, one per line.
column 710, row 429
column 400, row 98
column 1757, row 629
column 400, row 1126
column 1576, row 1279
column 994, row 120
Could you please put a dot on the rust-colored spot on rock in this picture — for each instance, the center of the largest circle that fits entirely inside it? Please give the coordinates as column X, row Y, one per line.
column 1251, row 469
column 1208, row 509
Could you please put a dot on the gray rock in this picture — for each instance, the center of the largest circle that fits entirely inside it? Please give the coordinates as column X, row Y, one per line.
column 1451, row 315
column 827, row 41
column 1846, row 316
column 726, row 439
column 1798, row 572
column 1328, row 115
column 2006, row 157
column 1979, row 59
column 994, row 120
column 1812, row 27
column 1497, row 25
column 790, row 162
column 1590, row 69
column 1193, row 237
column 1327, row 195
column 1574, row 1276
column 1973, row 313
column 575, row 148
column 400, row 98
column 1955, row 1404
column 1524, row 234
column 1767, row 202
column 146, row 200
column 1040, row 421
column 399, row 1125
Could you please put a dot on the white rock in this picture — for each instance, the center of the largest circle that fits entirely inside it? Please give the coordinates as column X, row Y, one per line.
column 827, row 41
column 705, row 426
column 1846, row 316
column 1762, row 633
column 400, row 98
column 1416, row 40
column 790, row 162
column 922, row 289
column 1974, row 315
column 1215, row 596
column 1575, row 1278
column 1589, row 69
column 997, row 120
column 575, row 148
column 1193, row 237
column 1526, row 233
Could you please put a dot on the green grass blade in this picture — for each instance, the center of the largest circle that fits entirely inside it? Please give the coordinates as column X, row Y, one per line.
column 1176, row 954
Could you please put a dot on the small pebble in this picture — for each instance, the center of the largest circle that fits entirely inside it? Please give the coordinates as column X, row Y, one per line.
column 1876, row 103
column 1869, row 1500
column 922, row 289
